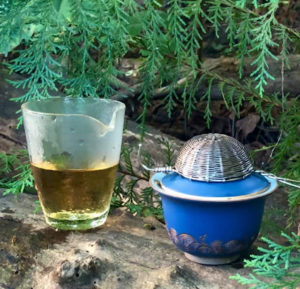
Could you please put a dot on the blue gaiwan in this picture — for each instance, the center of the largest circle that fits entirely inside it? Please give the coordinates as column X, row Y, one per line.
column 213, row 200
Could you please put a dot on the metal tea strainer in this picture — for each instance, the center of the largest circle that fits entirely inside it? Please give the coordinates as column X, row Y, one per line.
column 214, row 158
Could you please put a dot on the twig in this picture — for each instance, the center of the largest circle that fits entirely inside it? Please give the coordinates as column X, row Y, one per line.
column 129, row 90
column 11, row 139
column 282, row 103
column 120, row 83
column 235, row 84
column 264, row 148
column 133, row 175
column 229, row 81
column 136, row 89
column 166, row 89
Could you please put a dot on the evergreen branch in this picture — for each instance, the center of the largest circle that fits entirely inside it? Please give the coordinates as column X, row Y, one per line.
column 243, row 3
column 216, row 14
column 170, row 98
column 294, row 200
column 148, row 196
column 285, row 39
column 233, row 83
column 21, row 181
column 126, row 153
column 261, row 27
column 158, row 92
column 169, row 152
column 15, row 25
column 207, row 97
column 142, row 203
column 120, row 13
column 245, row 11
column 245, row 93
column 112, row 52
column 81, row 35
column 230, row 99
column 291, row 31
column 245, row 89
column 5, row 6
column 152, row 26
column 17, row 164
column 148, row 162
column 37, row 61
column 279, row 262
column 170, row 76
column 97, row 28
column 130, row 195
column 232, row 27
column 132, row 5
column 190, row 101
column 127, row 173
column 195, row 27
column 118, row 189
column 261, row 43
column 120, row 17
column 244, row 40
column 289, row 122
column 176, row 29
column 7, row 163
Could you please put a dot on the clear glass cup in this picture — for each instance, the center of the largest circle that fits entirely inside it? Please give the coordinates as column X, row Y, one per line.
column 74, row 146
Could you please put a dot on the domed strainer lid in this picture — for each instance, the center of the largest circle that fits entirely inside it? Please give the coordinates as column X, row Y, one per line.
column 214, row 158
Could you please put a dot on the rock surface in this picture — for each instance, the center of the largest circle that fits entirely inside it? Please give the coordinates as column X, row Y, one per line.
column 123, row 253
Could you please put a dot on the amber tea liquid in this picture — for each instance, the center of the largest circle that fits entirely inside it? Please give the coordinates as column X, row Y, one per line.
column 74, row 199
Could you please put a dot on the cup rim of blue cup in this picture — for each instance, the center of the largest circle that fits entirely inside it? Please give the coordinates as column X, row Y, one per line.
column 158, row 186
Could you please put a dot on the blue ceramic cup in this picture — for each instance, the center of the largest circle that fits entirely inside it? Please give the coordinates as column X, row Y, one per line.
column 213, row 223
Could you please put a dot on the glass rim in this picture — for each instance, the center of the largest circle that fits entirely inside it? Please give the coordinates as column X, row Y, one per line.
column 25, row 106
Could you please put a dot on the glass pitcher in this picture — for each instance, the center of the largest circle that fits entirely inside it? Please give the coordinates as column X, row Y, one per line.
column 74, row 146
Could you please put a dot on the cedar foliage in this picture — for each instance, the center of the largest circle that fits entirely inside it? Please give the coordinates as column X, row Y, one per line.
column 73, row 47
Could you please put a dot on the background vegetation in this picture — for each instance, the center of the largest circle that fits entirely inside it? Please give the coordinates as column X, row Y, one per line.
column 75, row 48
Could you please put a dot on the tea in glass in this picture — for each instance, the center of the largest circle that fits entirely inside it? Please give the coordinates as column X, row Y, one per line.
column 74, row 147
column 83, row 195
